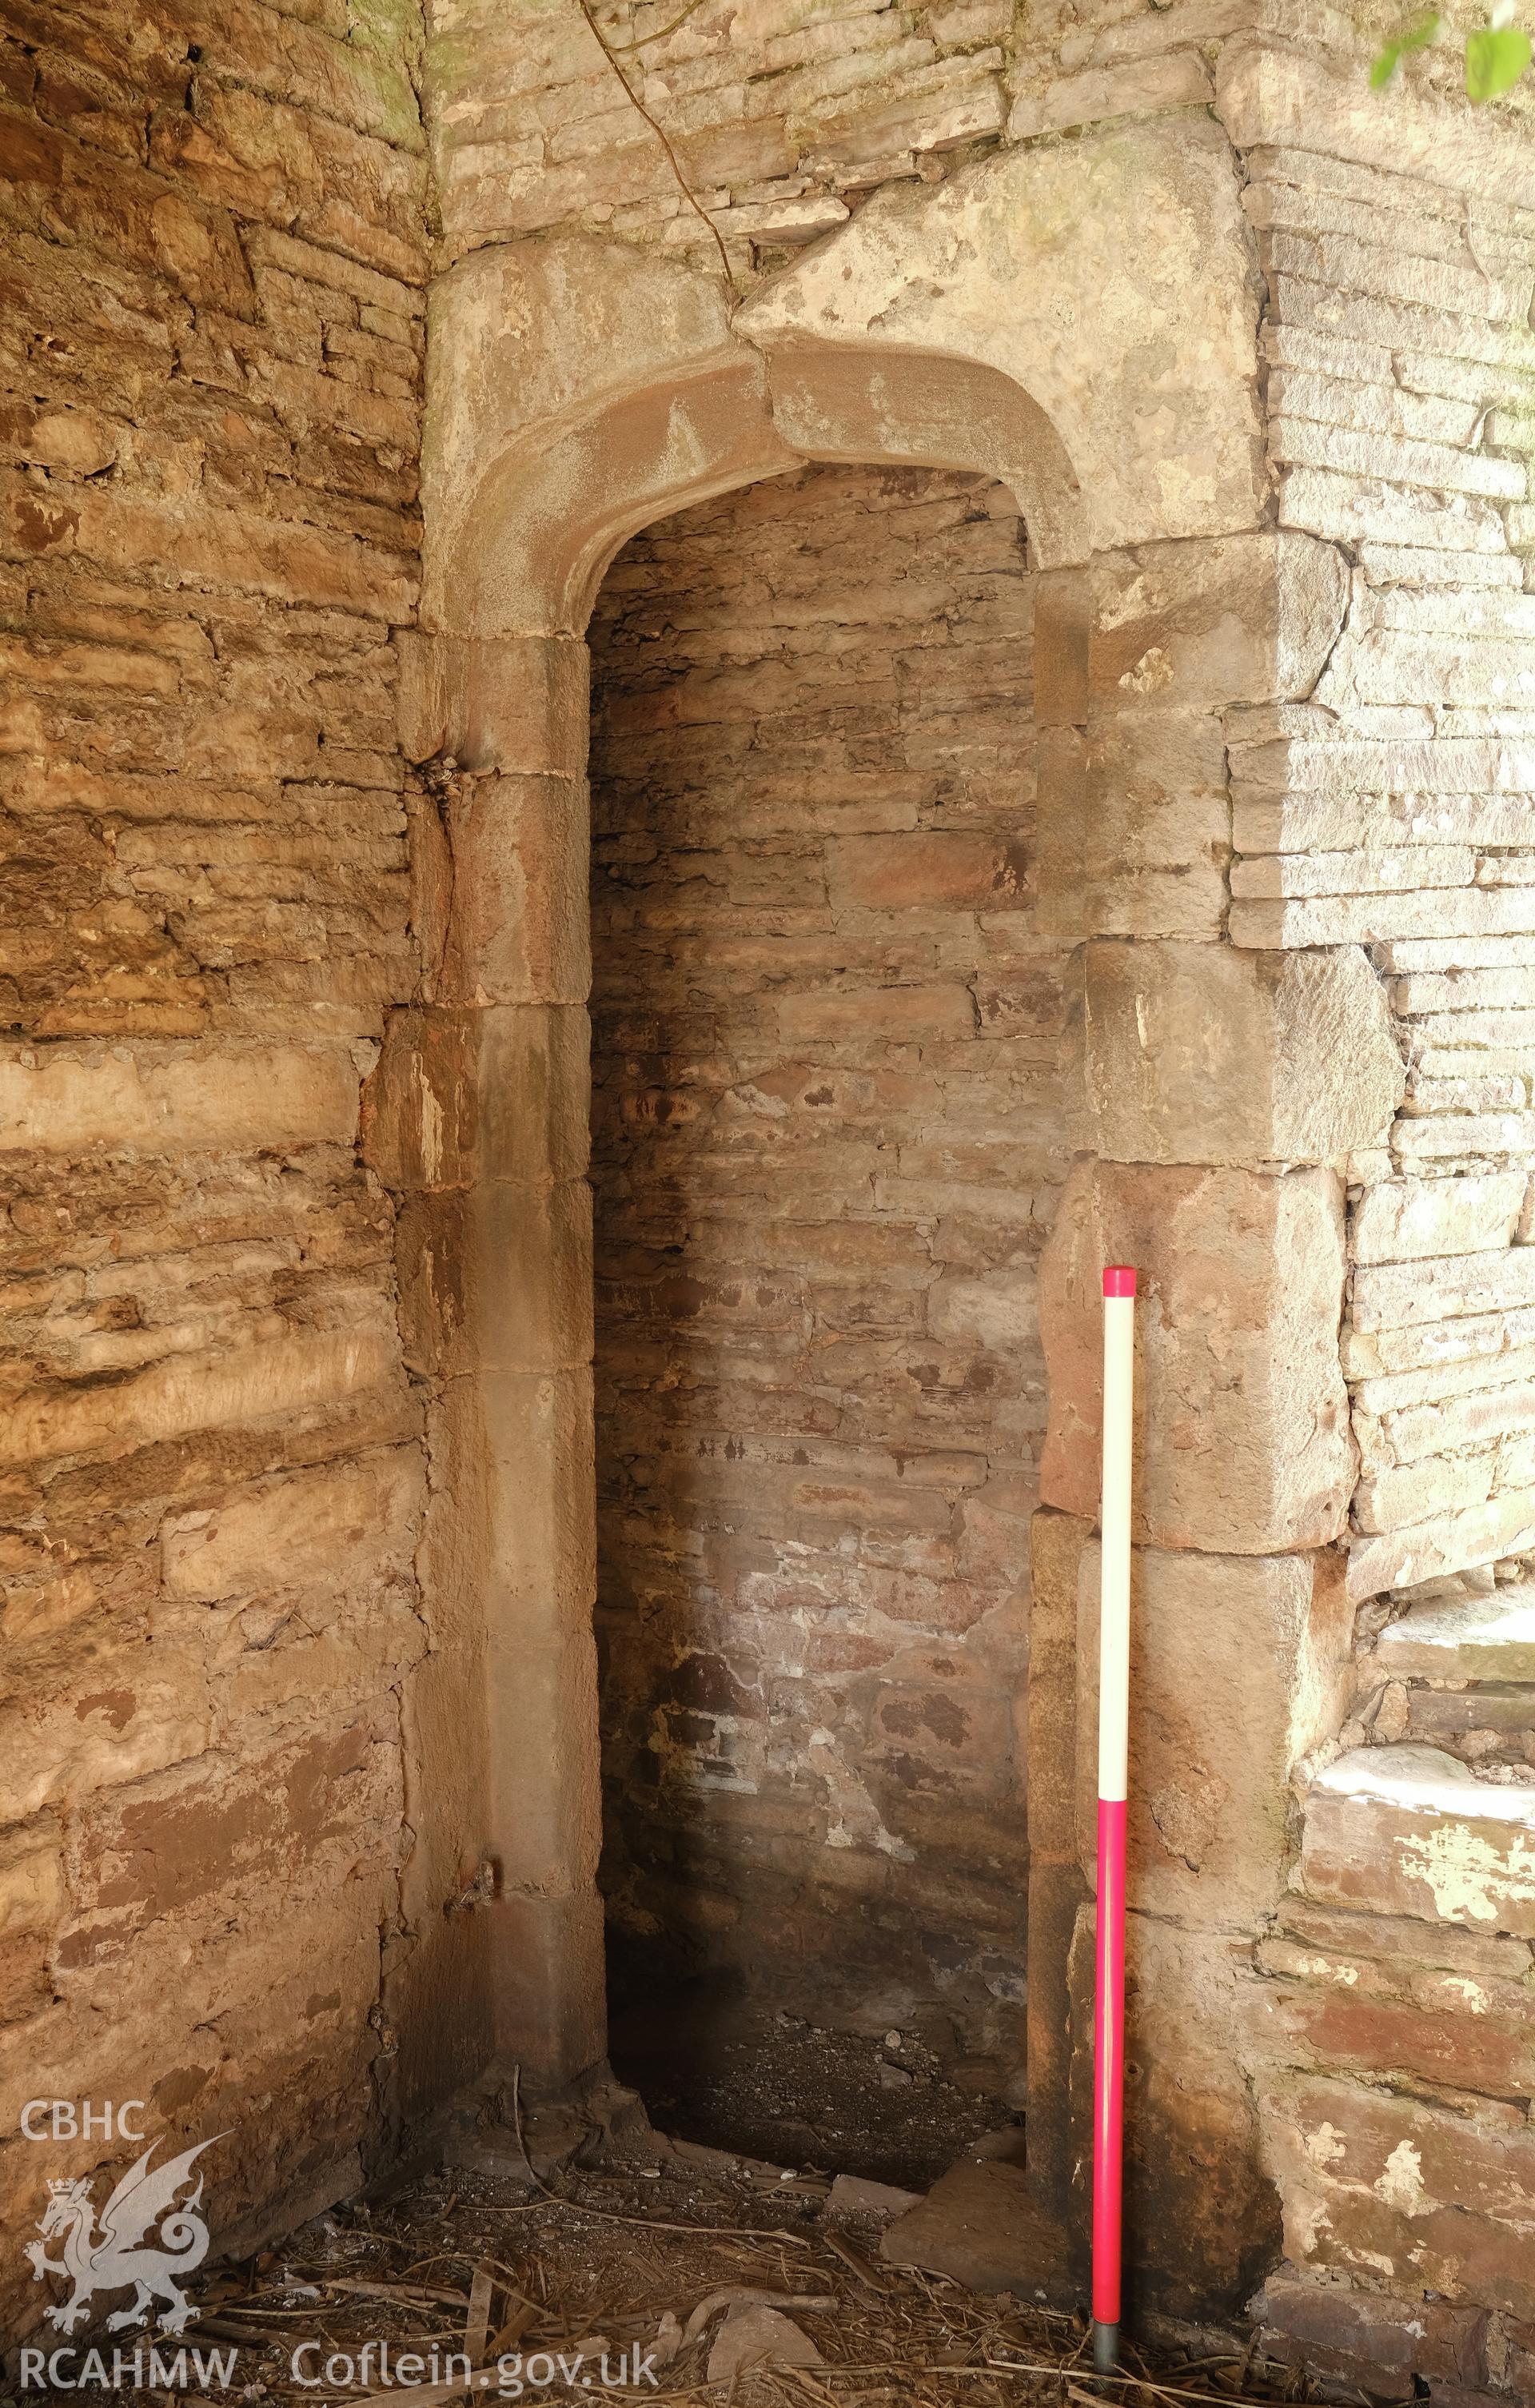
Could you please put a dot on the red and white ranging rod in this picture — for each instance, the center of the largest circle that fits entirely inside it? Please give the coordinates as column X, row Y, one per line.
column 1114, row 1731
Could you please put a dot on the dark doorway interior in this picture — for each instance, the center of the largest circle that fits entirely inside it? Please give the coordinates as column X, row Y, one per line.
column 828, row 1135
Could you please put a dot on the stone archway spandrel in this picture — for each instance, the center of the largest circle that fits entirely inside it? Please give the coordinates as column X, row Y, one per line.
column 1080, row 319
column 1109, row 279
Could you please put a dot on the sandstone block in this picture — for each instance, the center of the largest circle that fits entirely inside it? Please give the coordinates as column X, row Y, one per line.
column 516, row 1528
column 548, row 1985
column 545, row 1802
column 1143, row 86
column 1243, row 1440
column 519, row 929
column 1239, row 1666
column 159, row 1099
column 33, row 1893
column 518, row 704
column 1407, row 1829
column 335, row 1526
column 1198, row 1054
column 493, row 434
column 462, row 1095
column 881, row 285
column 1412, row 2194
column 1453, row 1541
column 117, row 1723
column 1334, row 2329
column 933, row 871
column 367, row 1653
column 1056, row 1892
column 1450, row 2031
column 1055, row 1886
column 1405, row 1220
column 1295, row 99
column 497, row 1277
column 1396, row 1296
column 1134, row 828
column 1194, row 626
column 1471, row 1639
column 1198, row 2193
column 203, row 1391
column 983, row 2224
column 902, row 1014
column 1056, row 1544
column 1371, row 918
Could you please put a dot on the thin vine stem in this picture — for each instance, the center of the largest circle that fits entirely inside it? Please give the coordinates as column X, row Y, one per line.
column 643, row 41
column 612, row 57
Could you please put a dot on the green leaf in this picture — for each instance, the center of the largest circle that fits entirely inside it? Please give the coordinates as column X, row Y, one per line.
column 1494, row 59
column 1415, row 36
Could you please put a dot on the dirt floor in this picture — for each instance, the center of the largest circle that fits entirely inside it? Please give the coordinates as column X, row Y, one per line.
column 740, row 2076
column 549, row 2292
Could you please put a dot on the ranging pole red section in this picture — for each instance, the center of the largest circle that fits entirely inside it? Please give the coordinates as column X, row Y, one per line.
column 1113, row 1750
column 1109, row 2064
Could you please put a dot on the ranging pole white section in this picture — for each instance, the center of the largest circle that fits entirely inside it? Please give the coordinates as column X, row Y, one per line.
column 1113, row 1688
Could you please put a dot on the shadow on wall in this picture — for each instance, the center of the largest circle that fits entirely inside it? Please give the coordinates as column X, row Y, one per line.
column 828, row 1126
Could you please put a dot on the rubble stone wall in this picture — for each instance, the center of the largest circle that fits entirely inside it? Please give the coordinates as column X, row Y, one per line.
column 1399, row 806
column 1283, row 731
column 211, row 335
column 784, row 115
column 829, row 1126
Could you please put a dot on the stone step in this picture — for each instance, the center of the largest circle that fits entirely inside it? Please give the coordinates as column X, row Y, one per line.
column 1471, row 1639
column 1410, row 1830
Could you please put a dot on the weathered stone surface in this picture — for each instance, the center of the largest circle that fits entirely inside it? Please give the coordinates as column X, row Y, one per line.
column 1406, row 1220
column 204, row 1390
column 163, row 1101
column 519, row 929
column 32, row 1883
column 1243, row 1440
column 330, row 1527
column 981, row 2225
column 1134, row 825
column 517, row 704
column 658, row 403
column 1197, row 625
column 1201, row 1054
column 546, row 1985
column 1454, row 1541
column 1273, row 93
column 1332, row 2329
column 464, row 1096
column 1408, row 1830
column 207, row 536
column 1449, row 2027
column 758, row 2337
column 497, row 1277
column 853, row 2197
column 1477, row 1638
column 208, row 524
column 1039, row 225
column 1417, row 2195
column 1239, row 1666
column 1056, row 1882
column 1057, row 1543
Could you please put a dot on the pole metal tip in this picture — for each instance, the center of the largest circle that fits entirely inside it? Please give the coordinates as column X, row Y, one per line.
column 1105, row 2349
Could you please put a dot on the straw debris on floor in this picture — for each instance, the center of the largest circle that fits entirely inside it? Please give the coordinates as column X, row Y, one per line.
column 629, row 2281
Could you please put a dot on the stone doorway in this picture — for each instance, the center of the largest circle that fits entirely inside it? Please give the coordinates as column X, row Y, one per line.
column 828, row 1135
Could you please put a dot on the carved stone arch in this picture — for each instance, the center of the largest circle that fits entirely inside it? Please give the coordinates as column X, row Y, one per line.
column 578, row 391
column 549, row 515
